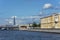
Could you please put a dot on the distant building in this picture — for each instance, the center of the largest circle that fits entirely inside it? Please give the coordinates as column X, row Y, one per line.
column 9, row 27
column 23, row 26
column 52, row 21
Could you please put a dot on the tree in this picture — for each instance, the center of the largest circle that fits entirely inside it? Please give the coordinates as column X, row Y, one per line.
column 34, row 24
column 39, row 25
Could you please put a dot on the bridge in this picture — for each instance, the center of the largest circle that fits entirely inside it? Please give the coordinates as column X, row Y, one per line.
column 9, row 27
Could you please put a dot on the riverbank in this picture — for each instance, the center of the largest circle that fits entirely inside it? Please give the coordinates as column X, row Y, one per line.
column 45, row 30
column 26, row 35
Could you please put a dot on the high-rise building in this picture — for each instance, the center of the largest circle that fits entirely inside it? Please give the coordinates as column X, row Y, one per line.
column 14, row 21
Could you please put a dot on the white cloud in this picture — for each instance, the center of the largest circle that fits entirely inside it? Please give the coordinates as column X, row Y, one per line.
column 10, row 21
column 14, row 16
column 27, row 17
column 22, row 17
column 41, row 13
column 33, row 16
column 48, row 5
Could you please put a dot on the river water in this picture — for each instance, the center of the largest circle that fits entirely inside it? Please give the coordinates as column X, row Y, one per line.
column 26, row 35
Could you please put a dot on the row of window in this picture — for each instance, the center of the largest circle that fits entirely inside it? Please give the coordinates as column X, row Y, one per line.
column 49, row 19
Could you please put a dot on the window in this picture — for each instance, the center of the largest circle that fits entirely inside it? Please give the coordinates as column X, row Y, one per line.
column 48, row 20
column 43, row 21
column 56, row 18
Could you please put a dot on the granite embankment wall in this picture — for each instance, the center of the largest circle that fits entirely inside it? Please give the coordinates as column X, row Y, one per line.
column 46, row 30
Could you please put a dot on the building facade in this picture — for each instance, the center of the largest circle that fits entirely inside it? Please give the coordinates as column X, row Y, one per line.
column 52, row 21
column 23, row 26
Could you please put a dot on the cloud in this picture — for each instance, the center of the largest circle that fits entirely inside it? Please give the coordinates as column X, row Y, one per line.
column 27, row 17
column 46, row 6
column 10, row 21
column 19, row 21
column 56, row 8
column 33, row 16
column 58, row 2
column 22, row 19
column 14, row 16
column 6, row 20
column 41, row 13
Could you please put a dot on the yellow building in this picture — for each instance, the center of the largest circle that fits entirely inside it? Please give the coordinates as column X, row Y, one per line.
column 52, row 21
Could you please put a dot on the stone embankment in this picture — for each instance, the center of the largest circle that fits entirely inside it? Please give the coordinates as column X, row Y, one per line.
column 46, row 30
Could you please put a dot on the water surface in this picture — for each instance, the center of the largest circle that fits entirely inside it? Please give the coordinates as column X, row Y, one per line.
column 26, row 35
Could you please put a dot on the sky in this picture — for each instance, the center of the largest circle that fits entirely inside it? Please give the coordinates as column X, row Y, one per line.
column 27, row 8
column 21, row 8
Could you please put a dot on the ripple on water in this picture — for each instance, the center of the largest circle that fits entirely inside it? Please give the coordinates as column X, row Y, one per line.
column 25, row 35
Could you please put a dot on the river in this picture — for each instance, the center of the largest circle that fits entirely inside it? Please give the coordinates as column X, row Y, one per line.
column 26, row 35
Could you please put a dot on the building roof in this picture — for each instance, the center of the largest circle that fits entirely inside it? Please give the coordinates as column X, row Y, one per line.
column 50, row 15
